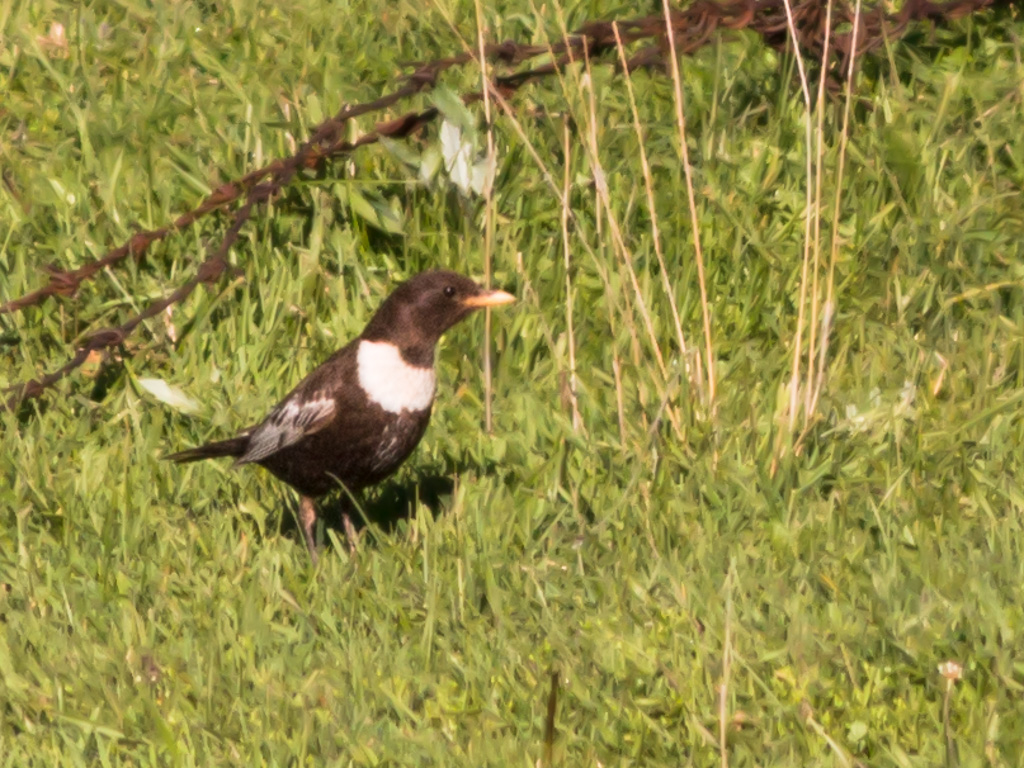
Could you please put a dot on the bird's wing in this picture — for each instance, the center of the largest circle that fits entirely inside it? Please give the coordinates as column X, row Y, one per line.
column 292, row 420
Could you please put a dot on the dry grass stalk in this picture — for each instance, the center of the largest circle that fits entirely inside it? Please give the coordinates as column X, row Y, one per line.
column 485, row 79
column 649, row 188
column 691, row 200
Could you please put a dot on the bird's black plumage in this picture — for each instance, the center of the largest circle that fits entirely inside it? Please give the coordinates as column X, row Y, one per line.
column 356, row 418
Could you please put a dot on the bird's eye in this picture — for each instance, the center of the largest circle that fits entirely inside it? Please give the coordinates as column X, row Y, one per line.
column 449, row 291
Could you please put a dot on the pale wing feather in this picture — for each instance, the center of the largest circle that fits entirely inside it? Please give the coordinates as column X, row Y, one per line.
column 288, row 423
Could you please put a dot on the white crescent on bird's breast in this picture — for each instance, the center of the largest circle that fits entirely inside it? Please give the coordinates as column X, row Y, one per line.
column 391, row 382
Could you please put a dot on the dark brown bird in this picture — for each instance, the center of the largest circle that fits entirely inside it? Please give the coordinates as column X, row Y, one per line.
column 353, row 421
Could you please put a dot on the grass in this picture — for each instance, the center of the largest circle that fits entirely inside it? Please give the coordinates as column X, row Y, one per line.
column 693, row 570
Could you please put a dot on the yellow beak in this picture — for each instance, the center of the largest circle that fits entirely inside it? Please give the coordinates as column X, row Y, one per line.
column 489, row 299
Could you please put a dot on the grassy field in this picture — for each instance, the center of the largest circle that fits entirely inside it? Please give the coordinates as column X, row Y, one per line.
column 696, row 568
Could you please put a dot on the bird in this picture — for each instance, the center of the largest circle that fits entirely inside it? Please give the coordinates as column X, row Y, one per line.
column 353, row 420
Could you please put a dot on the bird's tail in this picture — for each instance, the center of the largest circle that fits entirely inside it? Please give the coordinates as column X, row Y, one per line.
column 234, row 447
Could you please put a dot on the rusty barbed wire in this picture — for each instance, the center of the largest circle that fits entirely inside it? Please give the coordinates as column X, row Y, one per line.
column 692, row 27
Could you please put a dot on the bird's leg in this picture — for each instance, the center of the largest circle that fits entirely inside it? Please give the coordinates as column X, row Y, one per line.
column 350, row 532
column 350, row 529
column 307, row 517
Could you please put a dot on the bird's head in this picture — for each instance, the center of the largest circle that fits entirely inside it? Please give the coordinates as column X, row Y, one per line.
column 419, row 310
